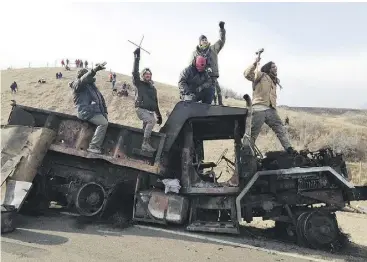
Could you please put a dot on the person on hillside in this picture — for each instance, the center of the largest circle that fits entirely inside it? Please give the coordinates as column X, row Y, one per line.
column 91, row 105
column 81, row 63
column 76, row 62
column 146, row 101
column 67, row 61
column 195, row 83
column 264, row 102
column 67, row 68
column 14, row 87
column 57, row 75
column 113, row 80
column 287, row 121
column 86, row 64
column 210, row 52
column 62, row 63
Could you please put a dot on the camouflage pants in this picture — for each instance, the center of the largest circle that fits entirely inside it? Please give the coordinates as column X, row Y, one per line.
column 148, row 120
column 272, row 119
column 218, row 91
column 102, row 123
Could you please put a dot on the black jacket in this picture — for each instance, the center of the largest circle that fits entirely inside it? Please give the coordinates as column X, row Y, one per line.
column 87, row 98
column 146, row 94
column 192, row 81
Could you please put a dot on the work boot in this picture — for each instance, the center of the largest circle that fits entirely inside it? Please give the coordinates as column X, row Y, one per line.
column 291, row 151
column 94, row 150
column 146, row 145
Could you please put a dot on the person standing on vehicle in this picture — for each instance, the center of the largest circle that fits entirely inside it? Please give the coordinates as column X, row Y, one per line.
column 195, row 83
column 146, row 101
column 210, row 52
column 90, row 105
column 264, row 102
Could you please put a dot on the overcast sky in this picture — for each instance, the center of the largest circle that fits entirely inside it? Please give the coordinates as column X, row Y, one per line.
column 320, row 48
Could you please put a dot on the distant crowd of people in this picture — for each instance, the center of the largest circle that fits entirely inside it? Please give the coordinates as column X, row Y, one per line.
column 78, row 63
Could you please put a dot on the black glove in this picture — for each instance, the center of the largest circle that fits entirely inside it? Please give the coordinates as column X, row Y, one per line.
column 159, row 120
column 137, row 52
column 99, row 67
column 221, row 25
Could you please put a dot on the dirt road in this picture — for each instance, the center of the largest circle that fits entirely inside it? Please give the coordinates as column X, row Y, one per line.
column 62, row 238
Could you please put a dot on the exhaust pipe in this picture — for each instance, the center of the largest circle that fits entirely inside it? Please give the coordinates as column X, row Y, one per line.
column 246, row 140
column 248, row 120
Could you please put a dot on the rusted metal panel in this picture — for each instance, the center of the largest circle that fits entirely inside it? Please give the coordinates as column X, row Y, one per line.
column 7, row 169
column 29, row 142
column 136, row 164
column 73, row 137
column 15, row 192
column 23, row 149
column 222, row 128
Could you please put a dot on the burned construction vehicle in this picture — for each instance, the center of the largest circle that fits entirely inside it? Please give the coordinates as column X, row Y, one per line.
column 175, row 185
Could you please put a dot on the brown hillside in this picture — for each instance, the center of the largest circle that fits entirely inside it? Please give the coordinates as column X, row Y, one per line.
column 346, row 131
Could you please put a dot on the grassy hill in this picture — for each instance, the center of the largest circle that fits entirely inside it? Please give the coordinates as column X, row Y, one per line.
column 309, row 127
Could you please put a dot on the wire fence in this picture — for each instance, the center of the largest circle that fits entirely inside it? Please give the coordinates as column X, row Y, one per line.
column 55, row 63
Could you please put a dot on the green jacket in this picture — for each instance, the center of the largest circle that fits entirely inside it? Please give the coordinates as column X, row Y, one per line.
column 211, row 53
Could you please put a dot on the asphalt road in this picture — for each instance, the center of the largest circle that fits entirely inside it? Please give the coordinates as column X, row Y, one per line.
column 58, row 237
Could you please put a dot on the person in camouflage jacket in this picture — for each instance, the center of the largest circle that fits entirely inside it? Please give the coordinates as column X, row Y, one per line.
column 210, row 52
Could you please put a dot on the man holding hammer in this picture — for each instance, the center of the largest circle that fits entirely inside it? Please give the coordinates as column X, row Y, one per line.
column 264, row 101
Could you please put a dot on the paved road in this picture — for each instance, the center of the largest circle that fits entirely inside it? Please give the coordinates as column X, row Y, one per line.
column 61, row 238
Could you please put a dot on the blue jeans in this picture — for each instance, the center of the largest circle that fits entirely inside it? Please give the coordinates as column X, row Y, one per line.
column 206, row 95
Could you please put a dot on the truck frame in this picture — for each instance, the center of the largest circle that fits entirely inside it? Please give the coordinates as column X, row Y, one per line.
column 300, row 192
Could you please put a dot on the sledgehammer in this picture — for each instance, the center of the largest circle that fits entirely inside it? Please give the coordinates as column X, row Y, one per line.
column 258, row 52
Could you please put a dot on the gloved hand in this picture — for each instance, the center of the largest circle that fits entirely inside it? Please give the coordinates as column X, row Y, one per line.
column 100, row 67
column 221, row 25
column 159, row 120
column 137, row 52
column 189, row 97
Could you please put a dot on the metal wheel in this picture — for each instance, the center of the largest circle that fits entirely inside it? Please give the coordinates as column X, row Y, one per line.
column 90, row 199
column 320, row 229
column 299, row 229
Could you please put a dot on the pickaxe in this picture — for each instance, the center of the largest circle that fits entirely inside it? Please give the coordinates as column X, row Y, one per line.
column 139, row 45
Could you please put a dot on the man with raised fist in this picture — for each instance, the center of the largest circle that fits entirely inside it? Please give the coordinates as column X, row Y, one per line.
column 210, row 52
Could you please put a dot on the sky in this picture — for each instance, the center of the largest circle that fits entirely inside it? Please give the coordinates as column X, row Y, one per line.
column 320, row 48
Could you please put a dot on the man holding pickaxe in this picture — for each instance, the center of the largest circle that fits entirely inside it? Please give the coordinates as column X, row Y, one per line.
column 264, row 101
column 210, row 53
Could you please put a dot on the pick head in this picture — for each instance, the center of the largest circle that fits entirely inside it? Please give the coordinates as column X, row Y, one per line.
column 260, row 51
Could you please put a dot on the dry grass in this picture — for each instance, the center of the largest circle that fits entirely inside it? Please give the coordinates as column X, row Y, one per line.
column 344, row 130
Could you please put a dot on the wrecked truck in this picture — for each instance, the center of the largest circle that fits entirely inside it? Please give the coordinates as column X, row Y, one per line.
column 45, row 159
